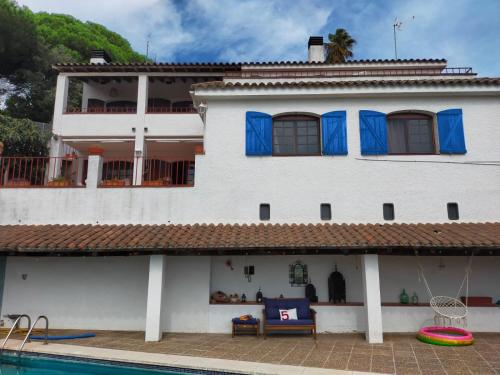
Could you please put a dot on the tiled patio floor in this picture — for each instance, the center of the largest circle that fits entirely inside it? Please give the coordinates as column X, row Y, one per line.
column 400, row 354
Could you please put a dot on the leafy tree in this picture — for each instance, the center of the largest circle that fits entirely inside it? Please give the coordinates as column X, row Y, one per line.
column 18, row 39
column 23, row 137
column 76, row 38
column 339, row 48
column 30, row 43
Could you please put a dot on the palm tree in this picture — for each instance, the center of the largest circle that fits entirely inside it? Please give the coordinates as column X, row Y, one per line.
column 339, row 49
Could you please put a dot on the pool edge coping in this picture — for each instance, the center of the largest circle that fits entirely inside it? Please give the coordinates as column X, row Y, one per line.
column 175, row 361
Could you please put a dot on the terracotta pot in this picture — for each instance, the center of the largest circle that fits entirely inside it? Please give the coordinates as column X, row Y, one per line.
column 95, row 151
column 199, row 150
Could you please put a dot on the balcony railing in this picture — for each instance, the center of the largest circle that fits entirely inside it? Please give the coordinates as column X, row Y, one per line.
column 322, row 73
column 101, row 110
column 155, row 172
column 154, row 109
column 72, row 171
column 25, row 172
column 129, row 110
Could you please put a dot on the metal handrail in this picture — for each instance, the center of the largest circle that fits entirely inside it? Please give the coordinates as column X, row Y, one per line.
column 14, row 327
column 27, row 338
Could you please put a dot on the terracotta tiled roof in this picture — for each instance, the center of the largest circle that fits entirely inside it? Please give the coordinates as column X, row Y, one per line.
column 456, row 239
column 187, row 66
column 220, row 85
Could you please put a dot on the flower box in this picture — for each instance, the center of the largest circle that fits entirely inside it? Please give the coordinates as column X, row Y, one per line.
column 113, row 183
column 59, row 183
column 155, row 183
column 18, row 183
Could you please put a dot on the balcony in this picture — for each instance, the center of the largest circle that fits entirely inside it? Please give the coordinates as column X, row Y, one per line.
column 163, row 163
column 29, row 172
column 72, row 171
column 155, row 173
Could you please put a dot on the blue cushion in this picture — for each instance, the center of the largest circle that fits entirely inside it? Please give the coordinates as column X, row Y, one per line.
column 249, row 321
column 272, row 310
column 299, row 322
column 273, row 305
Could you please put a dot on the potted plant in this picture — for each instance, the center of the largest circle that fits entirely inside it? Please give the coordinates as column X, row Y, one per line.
column 70, row 156
column 113, row 182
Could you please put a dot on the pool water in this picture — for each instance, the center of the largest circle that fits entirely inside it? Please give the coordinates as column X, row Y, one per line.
column 11, row 364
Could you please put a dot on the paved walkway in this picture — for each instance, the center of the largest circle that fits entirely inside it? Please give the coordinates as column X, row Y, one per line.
column 400, row 354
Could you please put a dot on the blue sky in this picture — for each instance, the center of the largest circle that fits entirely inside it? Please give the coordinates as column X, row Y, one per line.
column 466, row 32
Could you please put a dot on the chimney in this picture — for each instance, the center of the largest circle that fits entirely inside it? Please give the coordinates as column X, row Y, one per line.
column 316, row 49
column 99, row 56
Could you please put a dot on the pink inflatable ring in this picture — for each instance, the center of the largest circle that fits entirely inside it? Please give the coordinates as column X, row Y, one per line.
column 448, row 336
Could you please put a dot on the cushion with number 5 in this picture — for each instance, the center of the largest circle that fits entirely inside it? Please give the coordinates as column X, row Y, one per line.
column 288, row 314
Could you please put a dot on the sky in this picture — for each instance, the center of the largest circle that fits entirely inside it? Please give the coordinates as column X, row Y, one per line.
column 465, row 32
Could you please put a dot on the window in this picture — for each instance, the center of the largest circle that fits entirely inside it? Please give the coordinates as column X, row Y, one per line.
column 410, row 133
column 388, row 210
column 296, row 135
column 265, row 211
column 453, row 211
column 326, row 211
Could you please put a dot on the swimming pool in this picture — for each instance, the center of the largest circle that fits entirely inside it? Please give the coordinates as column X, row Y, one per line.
column 38, row 364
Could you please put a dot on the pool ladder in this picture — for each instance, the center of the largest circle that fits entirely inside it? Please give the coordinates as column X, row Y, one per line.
column 31, row 327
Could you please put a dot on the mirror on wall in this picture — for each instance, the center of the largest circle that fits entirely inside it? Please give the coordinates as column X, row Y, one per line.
column 298, row 274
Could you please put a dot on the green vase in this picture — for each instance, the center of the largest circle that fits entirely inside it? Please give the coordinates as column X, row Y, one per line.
column 403, row 298
column 414, row 298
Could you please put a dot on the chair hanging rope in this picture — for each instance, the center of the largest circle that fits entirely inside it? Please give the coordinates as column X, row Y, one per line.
column 449, row 311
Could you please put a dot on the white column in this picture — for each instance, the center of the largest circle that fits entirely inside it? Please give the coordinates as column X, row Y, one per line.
column 61, row 102
column 373, row 307
column 94, row 171
column 56, row 152
column 142, row 106
column 154, row 327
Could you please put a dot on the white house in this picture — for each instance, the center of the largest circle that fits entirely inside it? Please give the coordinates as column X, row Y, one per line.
column 166, row 180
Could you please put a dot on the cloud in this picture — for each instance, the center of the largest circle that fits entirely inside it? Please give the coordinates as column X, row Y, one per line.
column 256, row 30
column 133, row 19
column 466, row 32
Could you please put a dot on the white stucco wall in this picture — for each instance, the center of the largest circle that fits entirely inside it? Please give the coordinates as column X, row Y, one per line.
column 79, row 293
column 110, row 293
column 230, row 186
column 396, row 273
column 120, row 125
column 187, row 288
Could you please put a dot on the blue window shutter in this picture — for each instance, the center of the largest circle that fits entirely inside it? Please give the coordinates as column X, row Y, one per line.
column 373, row 132
column 334, row 133
column 259, row 134
column 451, row 132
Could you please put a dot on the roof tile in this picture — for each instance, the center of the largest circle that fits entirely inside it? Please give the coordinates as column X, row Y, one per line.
column 221, row 85
column 71, row 239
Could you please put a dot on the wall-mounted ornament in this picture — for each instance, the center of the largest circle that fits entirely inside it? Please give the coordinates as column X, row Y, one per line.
column 259, row 297
column 336, row 287
column 298, row 274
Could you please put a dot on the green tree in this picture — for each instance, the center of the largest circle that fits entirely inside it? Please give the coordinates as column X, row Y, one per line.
column 23, row 137
column 30, row 43
column 339, row 48
column 18, row 39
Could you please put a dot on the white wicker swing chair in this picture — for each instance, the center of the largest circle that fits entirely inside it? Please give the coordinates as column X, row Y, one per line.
column 449, row 311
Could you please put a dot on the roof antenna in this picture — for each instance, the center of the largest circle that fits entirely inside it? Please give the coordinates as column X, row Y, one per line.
column 396, row 25
column 147, row 45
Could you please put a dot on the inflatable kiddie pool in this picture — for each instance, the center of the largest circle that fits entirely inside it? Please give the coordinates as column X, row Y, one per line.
column 447, row 336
